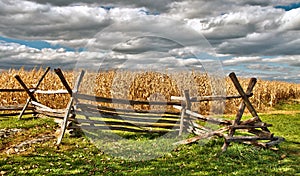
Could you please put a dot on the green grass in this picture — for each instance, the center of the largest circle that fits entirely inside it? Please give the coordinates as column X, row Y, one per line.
column 288, row 105
column 78, row 156
column 26, row 123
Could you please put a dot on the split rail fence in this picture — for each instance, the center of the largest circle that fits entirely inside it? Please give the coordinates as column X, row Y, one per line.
column 85, row 112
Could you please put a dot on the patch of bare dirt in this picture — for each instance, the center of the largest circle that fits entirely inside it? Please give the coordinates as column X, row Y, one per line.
column 25, row 145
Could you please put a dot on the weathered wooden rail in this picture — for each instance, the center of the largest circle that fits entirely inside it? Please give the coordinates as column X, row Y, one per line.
column 85, row 112
column 13, row 110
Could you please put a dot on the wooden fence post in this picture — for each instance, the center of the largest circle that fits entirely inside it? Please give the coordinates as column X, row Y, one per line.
column 63, row 80
column 24, row 108
column 182, row 113
column 65, row 121
column 30, row 94
column 186, row 106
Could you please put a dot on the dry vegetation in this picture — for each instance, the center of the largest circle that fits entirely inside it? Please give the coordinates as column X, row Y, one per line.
column 142, row 86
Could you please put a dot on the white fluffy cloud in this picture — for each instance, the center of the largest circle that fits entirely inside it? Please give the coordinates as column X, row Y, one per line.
column 290, row 60
column 289, row 20
column 252, row 30
column 15, row 55
column 284, row 68
column 28, row 20
column 239, row 60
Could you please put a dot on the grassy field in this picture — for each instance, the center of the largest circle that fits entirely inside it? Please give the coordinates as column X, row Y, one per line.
column 78, row 156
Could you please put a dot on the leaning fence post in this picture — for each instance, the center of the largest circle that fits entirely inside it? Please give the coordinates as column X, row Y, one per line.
column 30, row 94
column 186, row 106
column 70, row 104
column 65, row 121
column 42, row 78
column 24, row 108
column 182, row 113
column 63, row 80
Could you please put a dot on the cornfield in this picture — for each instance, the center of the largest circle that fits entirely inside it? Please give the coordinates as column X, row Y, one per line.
column 146, row 85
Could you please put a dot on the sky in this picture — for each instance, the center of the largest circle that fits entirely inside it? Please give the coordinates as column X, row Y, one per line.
column 253, row 38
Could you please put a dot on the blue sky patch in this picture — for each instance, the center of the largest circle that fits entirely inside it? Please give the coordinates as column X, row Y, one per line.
column 38, row 44
column 289, row 7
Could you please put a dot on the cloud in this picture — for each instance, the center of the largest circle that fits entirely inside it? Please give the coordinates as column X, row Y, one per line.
column 251, row 30
column 240, row 60
column 265, row 71
column 191, row 9
column 71, row 25
column 244, row 30
column 281, row 68
column 230, row 26
column 268, row 44
column 146, row 32
column 160, row 6
column 266, row 2
column 43, row 21
column 290, row 20
column 289, row 60
column 269, row 68
column 236, row 25
column 16, row 56
column 164, row 6
column 146, row 44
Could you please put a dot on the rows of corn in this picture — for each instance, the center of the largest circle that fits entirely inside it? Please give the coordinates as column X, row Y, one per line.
column 144, row 85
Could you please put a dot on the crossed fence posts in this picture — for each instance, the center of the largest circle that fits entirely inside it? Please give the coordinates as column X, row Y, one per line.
column 254, row 126
column 30, row 92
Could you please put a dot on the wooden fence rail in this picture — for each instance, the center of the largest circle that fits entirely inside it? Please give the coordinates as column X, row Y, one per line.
column 12, row 90
column 13, row 110
column 123, row 101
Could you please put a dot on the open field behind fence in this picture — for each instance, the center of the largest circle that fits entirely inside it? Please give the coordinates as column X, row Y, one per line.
column 142, row 86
